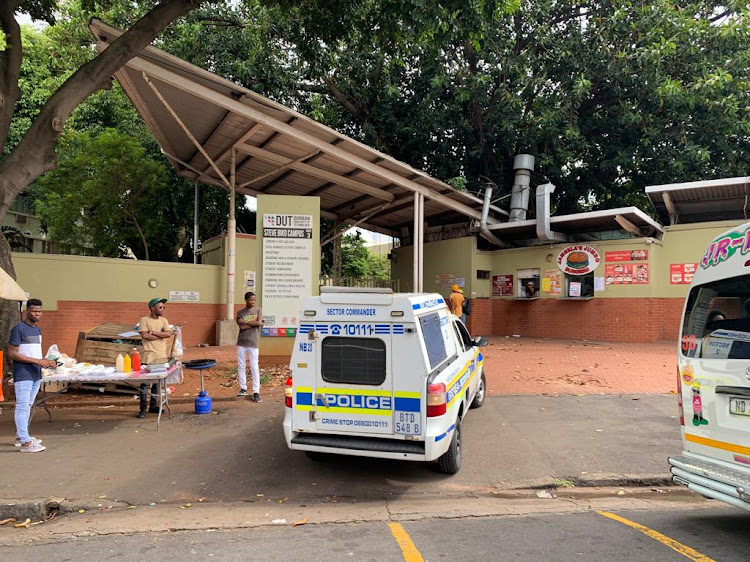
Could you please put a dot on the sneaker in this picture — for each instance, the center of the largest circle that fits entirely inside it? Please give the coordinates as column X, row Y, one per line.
column 34, row 439
column 256, row 397
column 242, row 392
column 33, row 448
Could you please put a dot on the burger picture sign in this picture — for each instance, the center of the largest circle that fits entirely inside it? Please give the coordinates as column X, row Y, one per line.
column 578, row 260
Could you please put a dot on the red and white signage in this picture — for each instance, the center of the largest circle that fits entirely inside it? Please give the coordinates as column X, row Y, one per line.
column 502, row 285
column 578, row 260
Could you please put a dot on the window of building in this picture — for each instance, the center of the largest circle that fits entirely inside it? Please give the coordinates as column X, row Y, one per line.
column 353, row 360
column 529, row 284
column 483, row 274
column 579, row 286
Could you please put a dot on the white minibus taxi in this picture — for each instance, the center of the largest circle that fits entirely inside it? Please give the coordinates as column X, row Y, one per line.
column 714, row 374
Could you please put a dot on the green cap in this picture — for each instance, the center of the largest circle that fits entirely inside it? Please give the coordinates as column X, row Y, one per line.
column 153, row 302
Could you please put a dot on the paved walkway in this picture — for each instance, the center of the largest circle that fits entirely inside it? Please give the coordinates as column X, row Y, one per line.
column 558, row 367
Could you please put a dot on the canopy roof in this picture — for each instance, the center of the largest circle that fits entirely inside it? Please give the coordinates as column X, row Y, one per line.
column 700, row 201
column 581, row 226
column 198, row 117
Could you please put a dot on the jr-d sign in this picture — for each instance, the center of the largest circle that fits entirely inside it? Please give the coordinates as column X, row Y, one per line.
column 578, row 260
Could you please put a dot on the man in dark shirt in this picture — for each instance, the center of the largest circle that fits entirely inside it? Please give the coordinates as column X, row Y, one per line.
column 249, row 320
column 25, row 349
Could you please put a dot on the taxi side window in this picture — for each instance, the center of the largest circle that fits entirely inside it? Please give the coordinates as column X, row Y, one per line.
column 463, row 336
column 433, row 339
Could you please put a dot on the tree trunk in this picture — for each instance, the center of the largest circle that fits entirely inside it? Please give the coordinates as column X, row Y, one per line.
column 8, row 311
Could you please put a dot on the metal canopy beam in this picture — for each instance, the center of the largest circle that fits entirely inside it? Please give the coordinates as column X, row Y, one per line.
column 163, row 75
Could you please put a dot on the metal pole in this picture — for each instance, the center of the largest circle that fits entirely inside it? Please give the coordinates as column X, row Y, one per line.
column 415, row 246
column 231, row 241
column 195, row 224
column 421, row 243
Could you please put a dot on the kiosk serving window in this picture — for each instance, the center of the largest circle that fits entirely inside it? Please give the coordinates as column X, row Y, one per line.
column 528, row 283
column 578, row 264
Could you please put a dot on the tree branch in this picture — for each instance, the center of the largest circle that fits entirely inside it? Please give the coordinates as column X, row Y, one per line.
column 35, row 154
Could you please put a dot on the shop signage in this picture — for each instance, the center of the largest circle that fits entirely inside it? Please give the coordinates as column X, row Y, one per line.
column 681, row 273
column 287, row 270
column 578, row 260
column 502, row 285
column 626, row 273
column 626, row 255
column 184, row 296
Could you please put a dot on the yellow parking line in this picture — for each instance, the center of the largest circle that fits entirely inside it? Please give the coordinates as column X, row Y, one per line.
column 410, row 552
column 671, row 543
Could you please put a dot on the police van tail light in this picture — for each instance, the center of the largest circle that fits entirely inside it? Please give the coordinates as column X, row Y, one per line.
column 436, row 400
column 679, row 397
column 288, row 392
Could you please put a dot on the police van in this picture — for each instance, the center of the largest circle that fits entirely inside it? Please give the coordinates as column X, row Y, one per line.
column 382, row 374
column 714, row 374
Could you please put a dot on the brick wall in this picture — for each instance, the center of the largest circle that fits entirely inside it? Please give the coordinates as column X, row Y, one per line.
column 625, row 320
column 61, row 326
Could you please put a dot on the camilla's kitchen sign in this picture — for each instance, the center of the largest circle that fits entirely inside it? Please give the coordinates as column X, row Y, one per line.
column 578, row 260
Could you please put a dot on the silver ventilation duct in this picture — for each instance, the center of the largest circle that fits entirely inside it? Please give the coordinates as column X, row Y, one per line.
column 523, row 164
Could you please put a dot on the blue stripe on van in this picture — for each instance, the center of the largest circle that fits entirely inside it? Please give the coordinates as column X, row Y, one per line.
column 304, row 398
column 443, row 435
column 407, row 404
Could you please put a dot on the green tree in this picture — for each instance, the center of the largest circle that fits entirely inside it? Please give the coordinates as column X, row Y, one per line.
column 33, row 153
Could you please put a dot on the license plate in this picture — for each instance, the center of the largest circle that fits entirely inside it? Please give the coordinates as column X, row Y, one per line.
column 739, row 406
column 407, row 423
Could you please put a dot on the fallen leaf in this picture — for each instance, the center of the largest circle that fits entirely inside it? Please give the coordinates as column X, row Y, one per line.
column 259, row 495
column 6, row 521
column 131, row 507
column 101, row 497
column 81, row 511
column 283, row 500
column 24, row 524
column 300, row 522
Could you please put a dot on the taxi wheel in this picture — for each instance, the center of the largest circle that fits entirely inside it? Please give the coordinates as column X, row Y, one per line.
column 450, row 462
column 481, row 393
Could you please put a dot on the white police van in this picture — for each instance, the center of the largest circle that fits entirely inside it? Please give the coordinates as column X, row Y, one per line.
column 714, row 374
column 382, row 374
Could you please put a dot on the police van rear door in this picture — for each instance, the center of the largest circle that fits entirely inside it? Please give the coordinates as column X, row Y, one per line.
column 354, row 383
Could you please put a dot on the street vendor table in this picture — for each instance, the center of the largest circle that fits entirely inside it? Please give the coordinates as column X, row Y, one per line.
column 133, row 379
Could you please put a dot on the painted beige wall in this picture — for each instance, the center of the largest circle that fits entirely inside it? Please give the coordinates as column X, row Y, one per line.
column 448, row 256
column 685, row 244
column 81, row 278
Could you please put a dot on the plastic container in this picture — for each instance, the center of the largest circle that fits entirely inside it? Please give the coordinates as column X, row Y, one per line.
column 120, row 363
column 135, row 360
column 127, row 366
column 203, row 403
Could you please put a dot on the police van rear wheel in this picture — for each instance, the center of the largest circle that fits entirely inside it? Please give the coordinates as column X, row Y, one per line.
column 481, row 393
column 450, row 462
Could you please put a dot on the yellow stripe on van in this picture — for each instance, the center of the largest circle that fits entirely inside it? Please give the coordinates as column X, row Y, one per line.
column 731, row 447
column 400, row 394
column 304, row 389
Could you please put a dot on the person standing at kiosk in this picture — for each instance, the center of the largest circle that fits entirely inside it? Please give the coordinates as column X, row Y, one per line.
column 456, row 303
column 155, row 332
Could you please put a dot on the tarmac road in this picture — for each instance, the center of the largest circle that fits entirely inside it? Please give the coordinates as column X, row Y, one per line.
column 239, row 454
column 672, row 534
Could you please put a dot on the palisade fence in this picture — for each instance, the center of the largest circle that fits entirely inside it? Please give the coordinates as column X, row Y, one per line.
column 330, row 281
